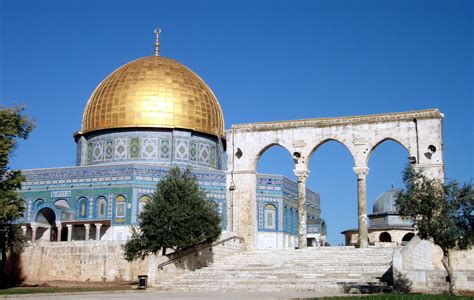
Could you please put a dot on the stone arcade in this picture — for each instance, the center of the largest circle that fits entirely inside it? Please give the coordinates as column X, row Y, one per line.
column 419, row 132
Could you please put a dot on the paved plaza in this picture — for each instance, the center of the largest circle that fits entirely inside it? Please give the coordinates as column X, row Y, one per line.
column 150, row 294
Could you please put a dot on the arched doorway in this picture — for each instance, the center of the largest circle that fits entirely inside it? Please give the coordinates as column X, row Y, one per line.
column 46, row 225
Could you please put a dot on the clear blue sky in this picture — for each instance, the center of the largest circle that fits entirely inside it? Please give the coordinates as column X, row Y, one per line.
column 265, row 60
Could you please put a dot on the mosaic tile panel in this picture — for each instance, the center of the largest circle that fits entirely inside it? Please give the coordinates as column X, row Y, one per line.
column 149, row 148
column 79, row 152
column 182, row 149
column 134, row 148
column 165, row 149
column 89, row 153
column 109, row 150
column 213, row 158
column 121, row 148
column 193, row 151
column 204, row 154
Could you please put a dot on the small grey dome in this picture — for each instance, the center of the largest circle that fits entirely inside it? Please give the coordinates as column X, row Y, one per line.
column 385, row 203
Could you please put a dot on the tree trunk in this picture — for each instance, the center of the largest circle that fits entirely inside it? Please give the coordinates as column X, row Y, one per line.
column 163, row 251
column 447, row 265
column 3, row 278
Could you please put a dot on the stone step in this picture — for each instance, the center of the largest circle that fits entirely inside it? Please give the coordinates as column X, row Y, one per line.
column 323, row 269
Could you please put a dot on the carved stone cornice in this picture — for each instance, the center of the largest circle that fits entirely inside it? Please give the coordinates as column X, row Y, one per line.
column 340, row 121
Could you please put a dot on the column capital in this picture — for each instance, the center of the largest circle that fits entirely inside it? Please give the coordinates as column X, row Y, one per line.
column 301, row 173
column 98, row 224
column 87, row 225
column 361, row 171
column 69, row 225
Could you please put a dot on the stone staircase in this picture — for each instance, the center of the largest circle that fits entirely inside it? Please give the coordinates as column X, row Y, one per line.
column 329, row 269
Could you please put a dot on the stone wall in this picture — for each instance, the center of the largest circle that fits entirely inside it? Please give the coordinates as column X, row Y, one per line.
column 103, row 261
column 418, row 267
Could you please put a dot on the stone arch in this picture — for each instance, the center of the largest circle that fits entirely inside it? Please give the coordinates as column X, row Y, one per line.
column 385, row 237
column 46, row 215
column 264, row 148
column 45, row 223
column 338, row 140
column 381, row 140
column 64, row 210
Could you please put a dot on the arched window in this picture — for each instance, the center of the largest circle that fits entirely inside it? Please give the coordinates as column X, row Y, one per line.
column 120, row 207
column 385, row 237
column 287, row 219
column 407, row 237
column 270, row 216
column 82, row 208
column 144, row 200
column 101, row 206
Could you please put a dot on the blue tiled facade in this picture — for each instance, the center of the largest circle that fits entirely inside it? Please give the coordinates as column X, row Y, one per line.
column 75, row 193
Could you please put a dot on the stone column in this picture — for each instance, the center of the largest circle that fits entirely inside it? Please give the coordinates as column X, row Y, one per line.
column 301, row 202
column 88, row 227
column 58, row 238
column 244, row 214
column 69, row 232
column 58, row 227
column 97, row 231
column 33, row 233
column 361, row 173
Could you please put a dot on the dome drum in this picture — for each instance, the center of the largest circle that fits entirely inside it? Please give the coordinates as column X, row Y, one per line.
column 148, row 145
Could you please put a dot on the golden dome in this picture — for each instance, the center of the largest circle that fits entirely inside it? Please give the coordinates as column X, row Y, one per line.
column 153, row 91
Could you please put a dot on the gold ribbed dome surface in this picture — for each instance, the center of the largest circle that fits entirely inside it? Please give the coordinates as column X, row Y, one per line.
column 157, row 92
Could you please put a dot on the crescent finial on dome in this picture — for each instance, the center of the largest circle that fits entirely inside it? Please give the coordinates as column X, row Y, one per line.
column 157, row 41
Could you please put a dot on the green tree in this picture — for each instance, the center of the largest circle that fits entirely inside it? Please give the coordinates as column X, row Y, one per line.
column 13, row 125
column 179, row 216
column 442, row 213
